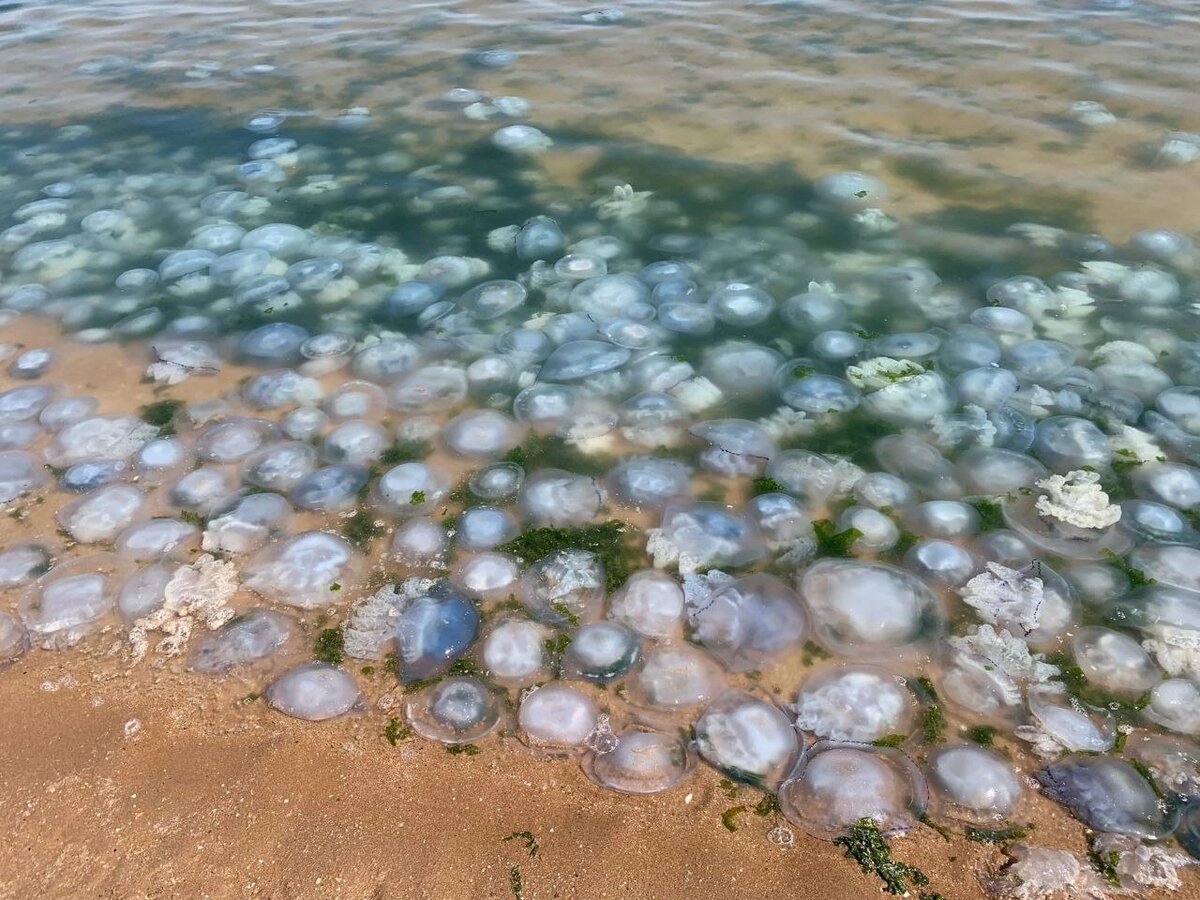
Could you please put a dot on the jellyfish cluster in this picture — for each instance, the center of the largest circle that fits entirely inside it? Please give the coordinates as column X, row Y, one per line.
column 695, row 475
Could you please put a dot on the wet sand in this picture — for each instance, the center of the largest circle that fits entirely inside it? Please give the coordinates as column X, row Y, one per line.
column 153, row 782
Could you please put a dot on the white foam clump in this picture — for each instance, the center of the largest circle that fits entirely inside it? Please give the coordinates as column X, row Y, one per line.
column 1077, row 499
column 663, row 552
column 878, row 372
column 198, row 592
column 1176, row 650
column 1003, row 595
column 696, row 393
column 1007, row 653
column 372, row 622
column 786, row 423
column 1135, row 446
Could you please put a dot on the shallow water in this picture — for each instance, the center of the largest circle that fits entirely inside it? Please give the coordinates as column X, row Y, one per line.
column 902, row 457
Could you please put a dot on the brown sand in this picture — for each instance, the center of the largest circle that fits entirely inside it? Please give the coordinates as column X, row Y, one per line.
column 156, row 783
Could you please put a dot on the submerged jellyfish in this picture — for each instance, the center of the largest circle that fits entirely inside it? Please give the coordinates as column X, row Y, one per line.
column 1108, row 795
column 313, row 691
column 243, row 640
column 433, row 631
column 748, row 621
column 306, row 571
column 855, row 703
column 68, row 602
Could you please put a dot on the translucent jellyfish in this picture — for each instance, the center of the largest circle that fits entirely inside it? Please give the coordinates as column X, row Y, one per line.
column 313, row 691
column 22, row 403
column 860, row 607
column 429, row 389
column 276, row 344
column 741, row 304
column 20, row 473
column 411, row 489
column 539, row 238
column 356, row 441
column 515, row 650
column 243, row 524
column 101, row 514
column 522, row 140
column 144, row 591
column 704, row 535
column 233, row 439
column 813, row 312
column 575, row 360
column 1113, row 661
column 497, row 481
column 98, row 438
column 566, row 585
column 1066, row 442
column 919, row 464
column 650, row 602
column 1175, row 705
column 742, row 369
column 386, row 361
column 1152, row 522
column 482, row 433
column 747, row 738
column 280, row 466
column 677, row 677
column 433, row 631
column 643, row 762
column 991, row 470
column 557, row 715
column 454, row 711
column 738, row 446
column 245, row 639
column 602, row 651
column 20, row 563
column 281, row 388
column 493, row 299
column 156, row 538
column 559, row 498
column 486, row 574
column 420, row 541
column 1063, row 727
column 484, row 527
column 1107, row 795
column 1174, row 566
column 68, row 602
column 973, row 785
column 836, row 785
column 749, row 621
column 333, row 487
column 850, row 192
column 648, row 480
column 855, row 703
column 306, row 571
column 1058, row 537
column 14, row 640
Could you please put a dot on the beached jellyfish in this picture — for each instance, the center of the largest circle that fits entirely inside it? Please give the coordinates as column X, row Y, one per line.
column 144, row 591
column 747, row 738
column 703, row 535
column 677, row 677
column 748, row 621
column 855, row 703
column 783, row 522
column 515, row 650
column 307, row 571
column 20, row 473
column 557, row 715
column 972, row 785
column 1066, row 442
column 1108, row 795
column 101, row 514
column 836, row 785
column 242, row 524
column 1114, row 662
column 420, row 541
column 245, row 639
column 355, row 400
column 602, row 651
column 521, row 140
column 313, row 691
column 58, row 414
column 14, row 640
column 737, row 446
column 565, row 586
column 484, row 527
column 200, row 490
column 497, row 481
column 98, row 438
column 279, row 466
column 303, row 424
column 411, row 489
column 67, row 603
column 481, row 433
column 650, row 602
column 233, row 439
column 156, row 538
column 429, row 389
column 1175, row 704
column 433, row 631
column 1059, row 726
column 23, row 403
column 21, row 563
column 871, row 607
column 355, row 442
column 276, row 344
column 19, row 435
column 943, row 519
column 941, row 562
column 454, row 711
column 648, row 481
column 643, row 762
column 486, row 574
column 1173, row 566
column 559, row 498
